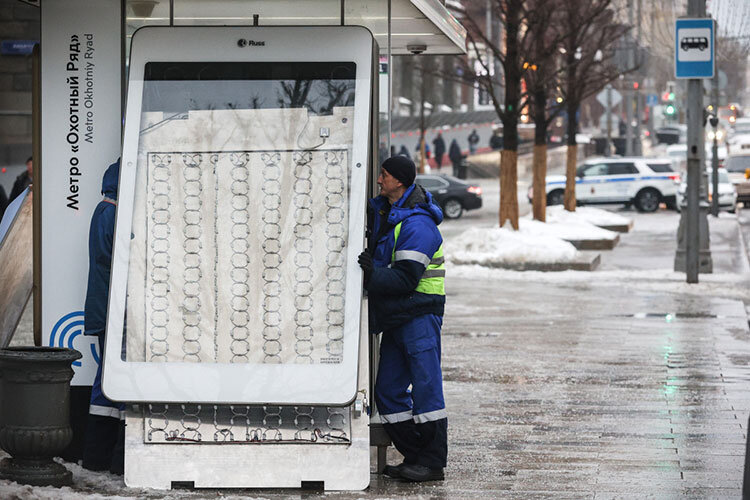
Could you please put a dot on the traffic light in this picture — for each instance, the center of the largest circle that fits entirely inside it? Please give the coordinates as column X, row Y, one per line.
column 670, row 109
column 669, row 95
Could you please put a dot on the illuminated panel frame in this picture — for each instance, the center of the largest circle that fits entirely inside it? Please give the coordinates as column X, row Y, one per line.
column 319, row 384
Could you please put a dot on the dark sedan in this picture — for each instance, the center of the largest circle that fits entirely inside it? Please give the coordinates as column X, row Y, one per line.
column 453, row 195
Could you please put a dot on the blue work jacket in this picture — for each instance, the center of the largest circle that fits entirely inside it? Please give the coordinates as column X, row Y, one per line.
column 393, row 299
column 101, row 234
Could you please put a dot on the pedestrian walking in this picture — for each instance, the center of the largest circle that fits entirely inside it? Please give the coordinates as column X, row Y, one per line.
column 439, row 149
column 454, row 153
column 496, row 141
column 104, row 445
column 404, row 277
column 473, row 141
column 426, row 149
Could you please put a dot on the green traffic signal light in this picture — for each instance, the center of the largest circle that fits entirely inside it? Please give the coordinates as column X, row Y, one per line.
column 671, row 96
column 670, row 110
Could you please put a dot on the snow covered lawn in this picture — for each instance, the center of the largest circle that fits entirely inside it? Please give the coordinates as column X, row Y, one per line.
column 496, row 247
column 569, row 226
column 595, row 216
column 535, row 242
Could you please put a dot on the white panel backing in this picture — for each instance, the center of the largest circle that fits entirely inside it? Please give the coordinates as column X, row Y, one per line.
column 263, row 464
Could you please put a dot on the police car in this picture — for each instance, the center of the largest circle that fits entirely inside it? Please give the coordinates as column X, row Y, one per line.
column 643, row 182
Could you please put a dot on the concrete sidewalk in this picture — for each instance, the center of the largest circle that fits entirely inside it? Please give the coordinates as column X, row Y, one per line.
column 621, row 383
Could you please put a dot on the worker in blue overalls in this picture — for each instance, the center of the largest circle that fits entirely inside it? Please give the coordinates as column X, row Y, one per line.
column 404, row 277
column 105, row 428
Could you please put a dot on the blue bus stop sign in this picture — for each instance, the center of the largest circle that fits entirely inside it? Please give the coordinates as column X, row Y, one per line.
column 694, row 48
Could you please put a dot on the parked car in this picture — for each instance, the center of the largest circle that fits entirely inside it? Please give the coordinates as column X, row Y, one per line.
column 678, row 154
column 738, row 169
column 727, row 193
column 643, row 182
column 739, row 134
column 453, row 195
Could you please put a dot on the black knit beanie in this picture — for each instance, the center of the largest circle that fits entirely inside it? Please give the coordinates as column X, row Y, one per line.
column 402, row 168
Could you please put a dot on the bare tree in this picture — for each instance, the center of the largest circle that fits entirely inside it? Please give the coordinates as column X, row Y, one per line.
column 515, row 16
column 541, row 79
column 590, row 34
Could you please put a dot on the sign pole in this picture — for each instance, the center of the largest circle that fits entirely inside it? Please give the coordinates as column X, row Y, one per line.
column 694, row 160
column 608, row 148
column 694, row 60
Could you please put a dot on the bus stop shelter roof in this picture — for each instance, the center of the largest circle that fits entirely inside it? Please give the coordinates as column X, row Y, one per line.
column 413, row 22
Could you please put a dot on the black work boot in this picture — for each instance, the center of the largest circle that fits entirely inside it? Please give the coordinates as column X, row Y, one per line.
column 394, row 471
column 418, row 473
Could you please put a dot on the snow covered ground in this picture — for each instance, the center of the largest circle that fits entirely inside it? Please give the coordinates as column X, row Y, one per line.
column 537, row 242
column 496, row 246
column 592, row 215
column 566, row 227
column 656, row 280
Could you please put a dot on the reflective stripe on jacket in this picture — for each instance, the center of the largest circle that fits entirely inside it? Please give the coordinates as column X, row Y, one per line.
column 433, row 278
column 396, row 289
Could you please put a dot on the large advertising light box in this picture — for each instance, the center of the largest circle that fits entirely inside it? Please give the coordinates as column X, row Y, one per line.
column 81, row 127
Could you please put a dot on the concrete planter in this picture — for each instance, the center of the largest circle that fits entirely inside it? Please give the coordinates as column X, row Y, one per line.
column 34, row 413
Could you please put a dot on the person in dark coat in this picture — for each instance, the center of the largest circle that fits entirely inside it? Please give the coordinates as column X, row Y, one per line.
column 382, row 152
column 473, row 141
column 439, row 149
column 496, row 141
column 105, row 428
column 22, row 181
column 404, row 275
column 404, row 152
column 454, row 153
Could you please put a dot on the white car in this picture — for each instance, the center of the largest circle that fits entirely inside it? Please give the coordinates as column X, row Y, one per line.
column 643, row 182
column 727, row 193
column 738, row 167
column 739, row 135
column 678, row 154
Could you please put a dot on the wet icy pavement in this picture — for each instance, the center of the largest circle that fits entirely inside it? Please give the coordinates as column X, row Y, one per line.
column 622, row 383
column 586, row 391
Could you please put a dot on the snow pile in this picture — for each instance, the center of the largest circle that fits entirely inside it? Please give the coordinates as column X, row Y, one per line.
column 497, row 246
column 566, row 227
column 595, row 216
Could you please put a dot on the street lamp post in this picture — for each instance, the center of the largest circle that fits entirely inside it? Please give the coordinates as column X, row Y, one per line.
column 715, row 148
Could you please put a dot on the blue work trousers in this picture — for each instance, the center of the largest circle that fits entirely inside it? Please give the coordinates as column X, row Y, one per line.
column 416, row 419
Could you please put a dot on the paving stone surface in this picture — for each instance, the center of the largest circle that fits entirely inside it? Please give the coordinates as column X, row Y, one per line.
column 612, row 385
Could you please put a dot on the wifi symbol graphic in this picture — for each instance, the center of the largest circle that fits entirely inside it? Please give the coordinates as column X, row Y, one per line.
column 65, row 332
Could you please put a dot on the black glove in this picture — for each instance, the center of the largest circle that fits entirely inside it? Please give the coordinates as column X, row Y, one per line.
column 365, row 262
